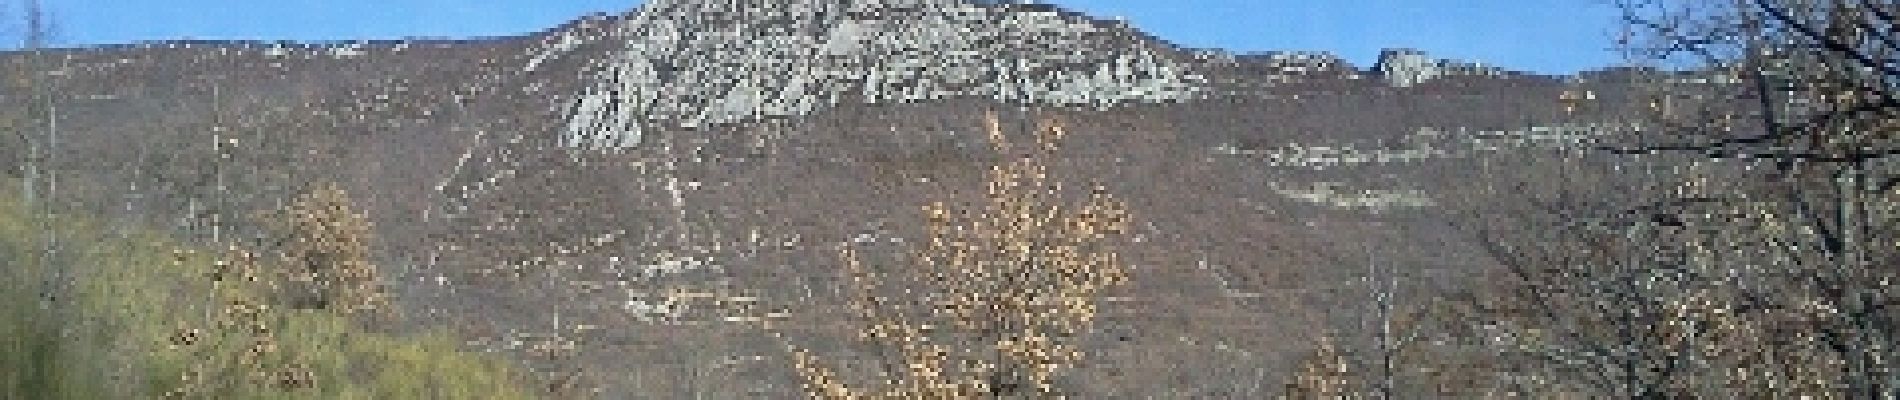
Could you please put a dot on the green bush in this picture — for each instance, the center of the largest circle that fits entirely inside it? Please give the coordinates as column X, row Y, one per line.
column 147, row 318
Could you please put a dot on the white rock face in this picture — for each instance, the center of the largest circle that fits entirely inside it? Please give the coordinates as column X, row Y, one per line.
column 1404, row 68
column 691, row 63
column 1407, row 67
column 1338, row 195
column 1432, row 144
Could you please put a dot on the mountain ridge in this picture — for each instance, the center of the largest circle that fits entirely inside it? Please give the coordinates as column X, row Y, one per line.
column 495, row 219
column 749, row 59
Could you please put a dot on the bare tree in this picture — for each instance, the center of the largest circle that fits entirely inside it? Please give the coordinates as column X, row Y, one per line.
column 1826, row 74
column 39, row 28
column 38, row 131
column 1759, row 259
column 39, row 110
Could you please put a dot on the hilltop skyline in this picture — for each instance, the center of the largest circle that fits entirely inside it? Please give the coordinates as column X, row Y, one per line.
column 1542, row 36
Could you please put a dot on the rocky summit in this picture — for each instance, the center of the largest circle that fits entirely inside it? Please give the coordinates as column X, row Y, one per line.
column 681, row 63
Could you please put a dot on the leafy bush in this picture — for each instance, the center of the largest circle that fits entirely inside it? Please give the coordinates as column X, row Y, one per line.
column 145, row 317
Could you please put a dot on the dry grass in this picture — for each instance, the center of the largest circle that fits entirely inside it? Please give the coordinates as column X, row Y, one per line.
column 995, row 295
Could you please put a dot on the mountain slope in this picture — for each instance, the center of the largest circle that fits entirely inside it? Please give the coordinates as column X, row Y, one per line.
column 604, row 188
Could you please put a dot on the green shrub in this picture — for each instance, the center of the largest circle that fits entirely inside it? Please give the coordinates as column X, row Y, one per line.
column 147, row 318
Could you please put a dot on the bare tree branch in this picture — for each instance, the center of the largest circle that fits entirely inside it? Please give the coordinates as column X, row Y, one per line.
column 1831, row 43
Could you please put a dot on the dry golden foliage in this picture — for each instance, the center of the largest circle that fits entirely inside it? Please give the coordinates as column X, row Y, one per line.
column 1325, row 375
column 241, row 321
column 323, row 263
column 1009, row 282
column 325, row 247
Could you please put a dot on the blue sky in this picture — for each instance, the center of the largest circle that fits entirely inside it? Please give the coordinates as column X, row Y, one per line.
column 1547, row 36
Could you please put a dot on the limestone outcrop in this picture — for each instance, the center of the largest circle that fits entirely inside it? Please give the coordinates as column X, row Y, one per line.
column 1408, row 67
column 691, row 63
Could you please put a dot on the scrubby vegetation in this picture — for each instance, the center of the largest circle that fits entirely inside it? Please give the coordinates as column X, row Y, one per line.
column 1760, row 265
column 120, row 313
column 995, row 296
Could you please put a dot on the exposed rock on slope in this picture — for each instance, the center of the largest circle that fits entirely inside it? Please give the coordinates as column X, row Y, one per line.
column 691, row 63
column 1407, row 67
